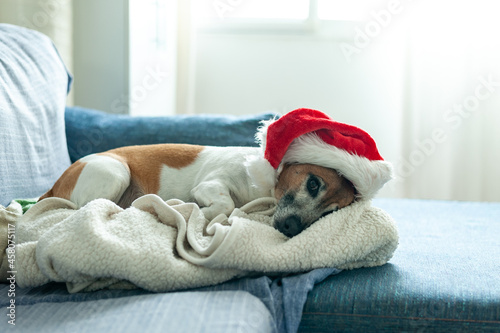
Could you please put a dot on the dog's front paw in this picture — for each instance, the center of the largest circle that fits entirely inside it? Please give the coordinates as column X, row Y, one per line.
column 216, row 209
column 214, row 198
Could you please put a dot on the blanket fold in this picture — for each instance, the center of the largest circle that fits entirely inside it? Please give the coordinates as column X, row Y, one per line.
column 163, row 246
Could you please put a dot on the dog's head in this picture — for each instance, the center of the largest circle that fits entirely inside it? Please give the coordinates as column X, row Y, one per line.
column 306, row 192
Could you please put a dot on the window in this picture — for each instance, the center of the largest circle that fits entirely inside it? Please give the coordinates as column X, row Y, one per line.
column 251, row 9
column 234, row 14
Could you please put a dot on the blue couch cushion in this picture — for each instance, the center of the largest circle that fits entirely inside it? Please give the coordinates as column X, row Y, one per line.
column 33, row 86
column 444, row 277
column 91, row 131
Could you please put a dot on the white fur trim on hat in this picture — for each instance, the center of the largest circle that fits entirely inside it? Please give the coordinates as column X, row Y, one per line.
column 368, row 177
column 261, row 172
column 261, row 134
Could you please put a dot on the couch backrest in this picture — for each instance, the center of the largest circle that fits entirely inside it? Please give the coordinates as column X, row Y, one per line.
column 92, row 131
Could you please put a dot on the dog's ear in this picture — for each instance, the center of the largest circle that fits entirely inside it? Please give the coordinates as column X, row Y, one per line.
column 341, row 192
column 349, row 192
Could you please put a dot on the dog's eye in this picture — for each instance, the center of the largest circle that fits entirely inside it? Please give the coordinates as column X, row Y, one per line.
column 313, row 186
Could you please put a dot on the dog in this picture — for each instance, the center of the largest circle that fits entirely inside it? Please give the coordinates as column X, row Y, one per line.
column 213, row 177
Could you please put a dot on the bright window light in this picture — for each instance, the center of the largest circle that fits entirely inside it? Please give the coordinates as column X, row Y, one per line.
column 252, row 14
column 276, row 9
column 251, row 9
column 347, row 10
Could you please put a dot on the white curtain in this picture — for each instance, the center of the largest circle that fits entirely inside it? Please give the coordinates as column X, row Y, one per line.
column 51, row 17
column 451, row 109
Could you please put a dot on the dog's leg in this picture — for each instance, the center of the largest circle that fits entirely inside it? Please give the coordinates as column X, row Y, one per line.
column 101, row 177
column 214, row 198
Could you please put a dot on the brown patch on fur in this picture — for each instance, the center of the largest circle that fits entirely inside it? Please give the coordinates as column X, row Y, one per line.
column 339, row 190
column 342, row 194
column 66, row 183
column 291, row 179
column 145, row 162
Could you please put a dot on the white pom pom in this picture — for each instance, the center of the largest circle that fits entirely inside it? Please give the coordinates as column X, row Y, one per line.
column 260, row 171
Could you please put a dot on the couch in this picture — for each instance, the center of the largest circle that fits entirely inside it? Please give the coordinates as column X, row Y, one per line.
column 444, row 276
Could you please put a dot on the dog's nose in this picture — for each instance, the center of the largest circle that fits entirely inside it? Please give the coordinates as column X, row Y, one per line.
column 290, row 226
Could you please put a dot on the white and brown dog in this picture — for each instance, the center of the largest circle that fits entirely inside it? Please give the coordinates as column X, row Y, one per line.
column 213, row 177
column 315, row 158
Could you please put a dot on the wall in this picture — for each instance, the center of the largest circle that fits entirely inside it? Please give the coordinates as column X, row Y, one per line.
column 248, row 74
column 101, row 51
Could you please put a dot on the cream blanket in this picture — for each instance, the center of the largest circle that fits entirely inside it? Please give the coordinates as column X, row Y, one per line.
column 163, row 246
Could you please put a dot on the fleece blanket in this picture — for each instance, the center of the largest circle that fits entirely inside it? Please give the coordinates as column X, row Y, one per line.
column 164, row 246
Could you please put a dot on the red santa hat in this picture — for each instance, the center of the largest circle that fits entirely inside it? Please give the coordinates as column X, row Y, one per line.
column 310, row 136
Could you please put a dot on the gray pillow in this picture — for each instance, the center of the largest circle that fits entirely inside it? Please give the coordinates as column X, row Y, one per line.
column 33, row 86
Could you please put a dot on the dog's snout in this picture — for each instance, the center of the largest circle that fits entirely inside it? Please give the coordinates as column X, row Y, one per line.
column 289, row 226
column 287, row 200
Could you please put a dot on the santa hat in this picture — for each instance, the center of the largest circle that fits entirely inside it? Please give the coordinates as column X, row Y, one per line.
column 310, row 136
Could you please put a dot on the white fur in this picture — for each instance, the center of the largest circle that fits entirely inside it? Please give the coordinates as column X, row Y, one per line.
column 261, row 171
column 102, row 177
column 217, row 180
